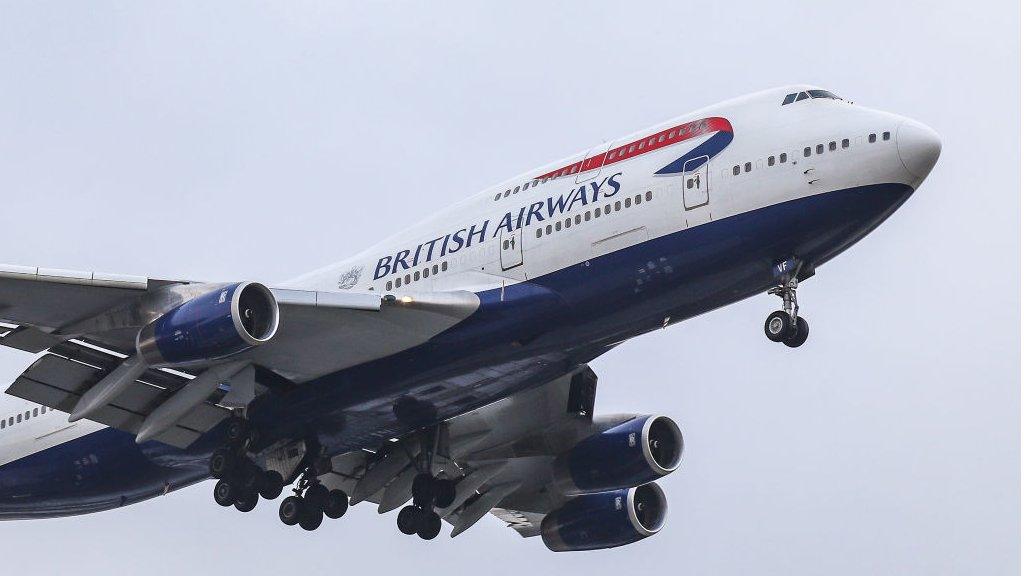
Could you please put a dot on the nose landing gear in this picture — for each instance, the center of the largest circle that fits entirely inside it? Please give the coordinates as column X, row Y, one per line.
column 786, row 325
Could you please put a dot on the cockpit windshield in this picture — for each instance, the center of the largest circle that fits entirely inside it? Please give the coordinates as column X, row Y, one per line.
column 798, row 96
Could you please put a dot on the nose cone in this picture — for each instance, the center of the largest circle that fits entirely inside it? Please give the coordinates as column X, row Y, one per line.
column 918, row 147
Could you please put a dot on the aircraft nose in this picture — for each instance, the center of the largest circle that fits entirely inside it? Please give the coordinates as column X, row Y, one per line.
column 918, row 146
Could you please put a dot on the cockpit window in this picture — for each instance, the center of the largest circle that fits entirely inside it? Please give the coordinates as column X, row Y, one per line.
column 798, row 96
column 823, row 94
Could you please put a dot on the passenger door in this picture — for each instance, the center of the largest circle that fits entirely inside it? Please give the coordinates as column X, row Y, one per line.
column 696, row 190
column 511, row 247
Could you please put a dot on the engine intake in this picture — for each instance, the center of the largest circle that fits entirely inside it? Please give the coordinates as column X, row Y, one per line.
column 635, row 452
column 212, row 326
column 605, row 519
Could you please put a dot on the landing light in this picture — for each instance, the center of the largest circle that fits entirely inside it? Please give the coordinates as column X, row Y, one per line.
column 406, row 299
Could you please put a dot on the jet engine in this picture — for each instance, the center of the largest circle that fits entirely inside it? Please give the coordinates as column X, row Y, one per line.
column 605, row 519
column 211, row 326
column 634, row 452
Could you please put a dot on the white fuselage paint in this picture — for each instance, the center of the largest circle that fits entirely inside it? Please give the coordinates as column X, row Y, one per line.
column 762, row 128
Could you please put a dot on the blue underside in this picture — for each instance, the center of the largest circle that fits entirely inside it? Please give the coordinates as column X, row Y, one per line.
column 538, row 331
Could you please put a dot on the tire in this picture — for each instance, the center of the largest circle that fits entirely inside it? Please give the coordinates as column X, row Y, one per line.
column 422, row 489
column 271, row 484
column 224, row 493
column 409, row 520
column 316, row 496
column 444, row 492
column 291, row 510
column 249, row 477
column 800, row 335
column 430, row 526
column 247, row 502
column 237, row 430
column 336, row 504
column 312, row 519
column 222, row 463
column 777, row 327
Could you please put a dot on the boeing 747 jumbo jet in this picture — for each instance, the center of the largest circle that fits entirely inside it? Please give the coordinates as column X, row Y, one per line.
column 444, row 372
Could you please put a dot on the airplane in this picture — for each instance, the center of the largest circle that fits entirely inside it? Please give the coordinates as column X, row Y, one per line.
column 444, row 372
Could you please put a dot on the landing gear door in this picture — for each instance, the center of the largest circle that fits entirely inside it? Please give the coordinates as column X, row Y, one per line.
column 695, row 183
column 511, row 247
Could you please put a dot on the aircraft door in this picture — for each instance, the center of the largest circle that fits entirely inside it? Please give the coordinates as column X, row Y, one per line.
column 695, row 183
column 511, row 247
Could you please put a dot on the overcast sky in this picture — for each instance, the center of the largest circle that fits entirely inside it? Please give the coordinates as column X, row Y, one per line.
column 232, row 140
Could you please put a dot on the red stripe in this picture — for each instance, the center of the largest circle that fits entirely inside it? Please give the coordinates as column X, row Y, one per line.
column 667, row 137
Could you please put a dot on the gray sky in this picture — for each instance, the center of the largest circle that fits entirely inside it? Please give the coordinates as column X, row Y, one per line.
column 238, row 141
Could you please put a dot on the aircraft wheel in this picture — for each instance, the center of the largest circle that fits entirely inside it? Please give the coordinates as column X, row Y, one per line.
column 312, row 519
column 409, row 520
column 336, row 504
column 224, row 493
column 800, row 335
column 430, row 526
column 777, row 326
column 271, row 484
column 222, row 463
column 444, row 492
column 422, row 489
column 247, row 502
column 238, row 430
column 316, row 496
column 291, row 510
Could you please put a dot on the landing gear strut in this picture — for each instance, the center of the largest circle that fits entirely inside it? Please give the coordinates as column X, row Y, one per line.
column 311, row 502
column 240, row 481
column 786, row 325
column 428, row 492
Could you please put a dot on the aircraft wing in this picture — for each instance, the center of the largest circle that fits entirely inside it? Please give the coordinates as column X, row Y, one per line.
column 87, row 324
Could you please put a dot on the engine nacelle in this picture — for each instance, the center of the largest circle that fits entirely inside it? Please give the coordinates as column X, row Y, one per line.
column 215, row 325
column 635, row 452
column 605, row 519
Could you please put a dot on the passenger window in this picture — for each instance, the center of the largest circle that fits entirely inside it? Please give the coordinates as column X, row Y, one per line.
column 558, row 226
column 618, row 206
column 846, row 143
column 807, row 152
column 389, row 286
column 671, row 135
column 416, row 274
column 586, row 215
column 19, row 417
column 782, row 158
column 689, row 183
column 435, row 268
column 650, row 195
column 651, row 142
column 515, row 190
column 820, row 148
column 497, row 196
column 568, row 223
column 637, row 198
column 548, row 229
column 771, row 160
column 607, row 208
column 872, row 138
column 426, row 272
column 408, row 278
column 736, row 170
column 579, row 218
column 629, row 202
column 632, row 147
column 35, row 412
column 831, row 146
column 746, row 167
column 597, row 212
column 885, row 135
column 507, row 192
column 444, row 266
column 539, row 232
column 661, row 138
column 525, row 186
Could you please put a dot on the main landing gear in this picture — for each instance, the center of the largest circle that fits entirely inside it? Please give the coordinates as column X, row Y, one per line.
column 429, row 493
column 311, row 502
column 240, row 482
column 786, row 325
